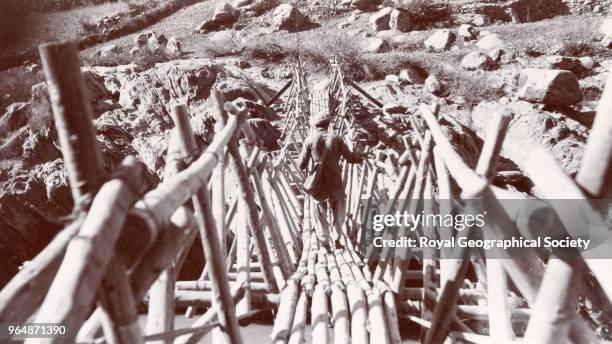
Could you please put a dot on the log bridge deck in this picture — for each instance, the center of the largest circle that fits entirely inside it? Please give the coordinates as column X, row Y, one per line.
column 86, row 280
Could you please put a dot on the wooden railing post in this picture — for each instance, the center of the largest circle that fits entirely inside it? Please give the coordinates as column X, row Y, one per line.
column 74, row 288
column 73, row 119
column 210, row 239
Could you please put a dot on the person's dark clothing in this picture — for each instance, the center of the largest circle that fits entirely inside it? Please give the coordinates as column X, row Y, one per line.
column 331, row 184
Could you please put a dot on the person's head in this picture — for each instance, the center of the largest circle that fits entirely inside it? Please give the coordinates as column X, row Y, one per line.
column 321, row 120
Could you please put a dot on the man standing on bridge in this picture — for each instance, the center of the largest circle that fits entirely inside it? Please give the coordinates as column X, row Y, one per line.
column 324, row 177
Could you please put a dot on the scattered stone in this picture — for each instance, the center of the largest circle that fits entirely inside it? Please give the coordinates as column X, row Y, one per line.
column 287, row 17
column 587, row 62
column 410, row 76
column 433, row 85
column 480, row 20
column 489, row 42
column 548, row 86
column 32, row 67
column 173, row 47
column 400, row 21
column 440, row 40
column 394, row 109
column 106, row 51
column 157, row 43
column 467, row 32
column 502, row 55
column 242, row 64
column 477, row 60
column 606, row 42
column 343, row 25
column 135, row 51
column 572, row 64
column 141, row 39
column 374, row 45
column 392, row 78
column 380, row 20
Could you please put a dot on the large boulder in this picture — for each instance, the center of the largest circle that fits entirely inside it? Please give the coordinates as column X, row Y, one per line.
column 440, row 40
column 551, row 87
column 490, row 42
column 225, row 14
column 477, row 60
column 374, row 45
column 288, row 17
column 379, row 21
column 531, row 127
column 400, row 21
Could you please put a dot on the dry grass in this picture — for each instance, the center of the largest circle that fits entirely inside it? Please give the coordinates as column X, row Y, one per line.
column 36, row 28
column 569, row 35
column 145, row 59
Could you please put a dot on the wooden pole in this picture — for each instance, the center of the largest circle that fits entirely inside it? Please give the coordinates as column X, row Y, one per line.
column 178, row 235
column 523, row 267
column 161, row 310
column 72, row 113
column 286, row 312
column 500, row 324
column 319, row 320
column 254, row 225
column 210, row 240
column 340, row 313
column 595, row 174
column 299, row 320
column 74, row 288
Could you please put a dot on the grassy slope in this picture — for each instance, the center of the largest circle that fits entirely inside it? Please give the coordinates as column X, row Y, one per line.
column 575, row 32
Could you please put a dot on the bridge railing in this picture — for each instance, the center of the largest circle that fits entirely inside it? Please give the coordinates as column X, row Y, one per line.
column 84, row 266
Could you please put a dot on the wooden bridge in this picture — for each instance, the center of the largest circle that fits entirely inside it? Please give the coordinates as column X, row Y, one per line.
column 88, row 281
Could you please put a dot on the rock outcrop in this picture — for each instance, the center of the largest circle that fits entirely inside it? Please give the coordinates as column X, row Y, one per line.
column 130, row 111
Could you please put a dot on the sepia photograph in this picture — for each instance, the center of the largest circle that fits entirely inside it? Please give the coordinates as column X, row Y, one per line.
column 306, row 171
